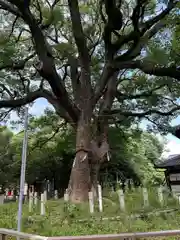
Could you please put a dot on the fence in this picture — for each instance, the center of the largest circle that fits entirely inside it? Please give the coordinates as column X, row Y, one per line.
column 121, row 199
column 132, row 201
column 122, row 236
column 4, row 233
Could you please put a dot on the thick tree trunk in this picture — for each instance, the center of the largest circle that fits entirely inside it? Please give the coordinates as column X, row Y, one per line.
column 80, row 178
column 80, row 182
column 97, row 158
column 89, row 156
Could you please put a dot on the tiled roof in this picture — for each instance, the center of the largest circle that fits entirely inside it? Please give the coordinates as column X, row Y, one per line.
column 172, row 160
column 176, row 131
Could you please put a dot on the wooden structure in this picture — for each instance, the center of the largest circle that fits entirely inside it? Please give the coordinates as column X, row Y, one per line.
column 6, row 233
column 176, row 131
column 172, row 172
column 172, row 167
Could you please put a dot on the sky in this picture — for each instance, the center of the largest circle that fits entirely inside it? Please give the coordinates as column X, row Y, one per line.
column 37, row 109
column 172, row 147
column 173, row 142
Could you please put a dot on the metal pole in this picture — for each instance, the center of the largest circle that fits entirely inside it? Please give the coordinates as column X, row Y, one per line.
column 23, row 169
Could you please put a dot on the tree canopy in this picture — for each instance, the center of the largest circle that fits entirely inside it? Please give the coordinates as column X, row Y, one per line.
column 33, row 29
column 94, row 70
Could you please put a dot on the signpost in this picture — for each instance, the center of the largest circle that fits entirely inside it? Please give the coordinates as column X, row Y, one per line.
column 23, row 169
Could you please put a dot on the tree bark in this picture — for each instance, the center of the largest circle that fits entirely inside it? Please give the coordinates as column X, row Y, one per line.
column 80, row 178
column 80, row 182
column 90, row 153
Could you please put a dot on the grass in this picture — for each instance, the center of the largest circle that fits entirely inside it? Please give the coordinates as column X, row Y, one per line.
column 63, row 219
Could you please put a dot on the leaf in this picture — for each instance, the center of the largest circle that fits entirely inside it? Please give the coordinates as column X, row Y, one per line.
column 64, row 48
column 84, row 9
column 58, row 16
column 157, row 55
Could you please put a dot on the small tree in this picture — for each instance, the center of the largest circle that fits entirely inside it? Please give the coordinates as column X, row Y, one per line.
column 6, row 157
column 70, row 54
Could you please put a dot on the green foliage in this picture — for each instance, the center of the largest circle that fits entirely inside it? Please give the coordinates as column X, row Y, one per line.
column 5, row 156
column 157, row 55
column 7, row 50
column 16, row 43
column 133, row 154
column 76, row 219
column 52, row 16
column 51, row 152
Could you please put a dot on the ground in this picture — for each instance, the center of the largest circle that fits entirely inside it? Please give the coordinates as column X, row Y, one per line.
column 65, row 219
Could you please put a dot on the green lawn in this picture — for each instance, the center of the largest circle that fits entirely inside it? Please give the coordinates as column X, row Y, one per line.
column 67, row 219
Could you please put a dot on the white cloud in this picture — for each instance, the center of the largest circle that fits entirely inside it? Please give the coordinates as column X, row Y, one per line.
column 172, row 147
column 37, row 110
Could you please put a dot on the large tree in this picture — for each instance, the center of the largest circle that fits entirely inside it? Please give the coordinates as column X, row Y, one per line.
column 71, row 54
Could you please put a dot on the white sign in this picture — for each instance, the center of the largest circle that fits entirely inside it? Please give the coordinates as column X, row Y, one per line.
column 175, row 177
column 25, row 189
column 176, row 189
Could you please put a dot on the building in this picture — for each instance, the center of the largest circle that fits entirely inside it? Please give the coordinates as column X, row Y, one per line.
column 171, row 165
column 172, row 172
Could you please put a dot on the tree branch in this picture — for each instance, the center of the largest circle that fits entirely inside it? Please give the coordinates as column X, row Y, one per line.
column 76, row 86
column 30, row 97
column 142, row 36
column 100, row 86
column 78, row 33
column 138, row 14
column 148, row 24
column 109, row 94
column 138, row 45
column 10, row 8
column 120, row 96
column 143, row 114
column 4, row 115
column 153, row 25
column 17, row 65
column 81, row 43
column 135, row 36
column 4, row 88
column 47, row 67
column 57, row 106
column 148, row 68
column 13, row 26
